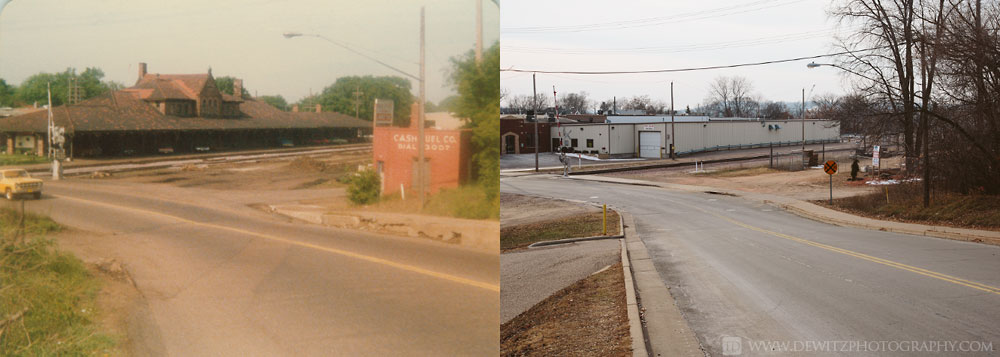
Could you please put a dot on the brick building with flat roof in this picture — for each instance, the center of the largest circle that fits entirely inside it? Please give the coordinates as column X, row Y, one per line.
column 447, row 154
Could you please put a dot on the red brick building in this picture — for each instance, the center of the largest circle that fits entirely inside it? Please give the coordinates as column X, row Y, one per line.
column 517, row 136
column 447, row 153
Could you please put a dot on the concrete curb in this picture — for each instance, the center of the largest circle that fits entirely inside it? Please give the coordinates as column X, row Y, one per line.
column 621, row 230
column 571, row 240
column 825, row 215
column 665, row 332
column 634, row 321
column 472, row 234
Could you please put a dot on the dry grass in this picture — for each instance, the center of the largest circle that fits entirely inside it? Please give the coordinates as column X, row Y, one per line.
column 588, row 318
column 585, row 225
column 905, row 203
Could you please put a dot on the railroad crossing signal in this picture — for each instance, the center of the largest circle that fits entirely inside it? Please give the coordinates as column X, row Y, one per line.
column 830, row 167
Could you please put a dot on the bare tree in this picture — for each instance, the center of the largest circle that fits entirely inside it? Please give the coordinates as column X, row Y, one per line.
column 575, row 102
column 732, row 97
column 826, row 105
column 639, row 102
column 774, row 110
column 883, row 49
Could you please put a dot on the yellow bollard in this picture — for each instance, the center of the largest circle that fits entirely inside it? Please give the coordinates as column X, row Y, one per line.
column 605, row 219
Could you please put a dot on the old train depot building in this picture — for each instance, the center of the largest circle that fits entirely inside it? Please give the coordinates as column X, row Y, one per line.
column 167, row 113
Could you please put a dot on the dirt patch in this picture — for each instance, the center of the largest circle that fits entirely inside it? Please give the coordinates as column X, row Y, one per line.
column 307, row 164
column 739, row 172
column 520, row 209
column 116, row 301
column 282, row 174
column 588, row 318
column 754, row 176
column 582, row 225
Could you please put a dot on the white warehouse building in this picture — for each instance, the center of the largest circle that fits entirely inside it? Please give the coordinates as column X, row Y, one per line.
column 653, row 139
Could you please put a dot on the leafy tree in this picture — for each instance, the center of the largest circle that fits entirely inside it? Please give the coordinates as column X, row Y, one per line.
column 33, row 89
column 448, row 104
column 275, row 100
column 6, row 94
column 339, row 97
column 225, row 85
column 479, row 103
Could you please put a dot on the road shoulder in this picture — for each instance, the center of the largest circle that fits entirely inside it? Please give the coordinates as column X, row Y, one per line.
column 822, row 214
column 666, row 331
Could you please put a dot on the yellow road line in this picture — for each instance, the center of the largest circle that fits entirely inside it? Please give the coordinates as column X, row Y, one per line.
column 897, row 265
column 367, row 258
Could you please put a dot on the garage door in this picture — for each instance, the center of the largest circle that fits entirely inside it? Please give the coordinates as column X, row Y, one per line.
column 649, row 144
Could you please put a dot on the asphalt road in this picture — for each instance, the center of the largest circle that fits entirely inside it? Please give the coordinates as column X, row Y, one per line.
column 741, row 269
column 224, row 279
column 529, row 276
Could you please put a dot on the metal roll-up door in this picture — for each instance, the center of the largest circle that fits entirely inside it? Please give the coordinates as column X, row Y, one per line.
column 649, row 144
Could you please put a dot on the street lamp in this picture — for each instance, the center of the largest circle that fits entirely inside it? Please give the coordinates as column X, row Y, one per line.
column 815, row 65
column 421, row 174
column 2, row 4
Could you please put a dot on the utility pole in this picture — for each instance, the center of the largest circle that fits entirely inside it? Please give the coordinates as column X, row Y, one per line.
column 802, row 115
column 357, row 99
column 555, row 101
column 421, row 174
column 479, row 31
column 48, row 89
column 673, row 136
column 534, row 108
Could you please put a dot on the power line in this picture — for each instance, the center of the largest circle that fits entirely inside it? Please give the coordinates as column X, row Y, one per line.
column 681, row 48
column 654, row 21
column 512, row 69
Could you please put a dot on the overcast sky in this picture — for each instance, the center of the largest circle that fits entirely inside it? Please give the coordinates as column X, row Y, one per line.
column 240, row 38
column 645, row 35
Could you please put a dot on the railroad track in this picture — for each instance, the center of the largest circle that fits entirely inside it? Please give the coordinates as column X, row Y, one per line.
column 206, row 159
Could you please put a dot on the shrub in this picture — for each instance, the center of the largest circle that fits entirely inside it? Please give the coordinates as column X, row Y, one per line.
column 469, row 201
column 364, row 187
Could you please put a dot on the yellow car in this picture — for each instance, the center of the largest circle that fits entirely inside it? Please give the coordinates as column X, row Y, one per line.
column 17, row 181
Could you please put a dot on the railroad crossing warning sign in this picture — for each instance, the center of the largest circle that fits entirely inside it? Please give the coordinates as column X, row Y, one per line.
column 830, row 167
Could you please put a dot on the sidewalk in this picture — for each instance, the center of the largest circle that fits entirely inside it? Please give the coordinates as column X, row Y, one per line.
column 824, row 214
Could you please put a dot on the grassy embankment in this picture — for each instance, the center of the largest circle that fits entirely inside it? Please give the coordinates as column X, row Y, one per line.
column 17, row 160
column 47, row 297
column 468, row 201
column 585, row 225
column 905, row 203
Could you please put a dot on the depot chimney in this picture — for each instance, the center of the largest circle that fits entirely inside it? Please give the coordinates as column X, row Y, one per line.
column 142, row 70
column 319, row 108
column 238, row 88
